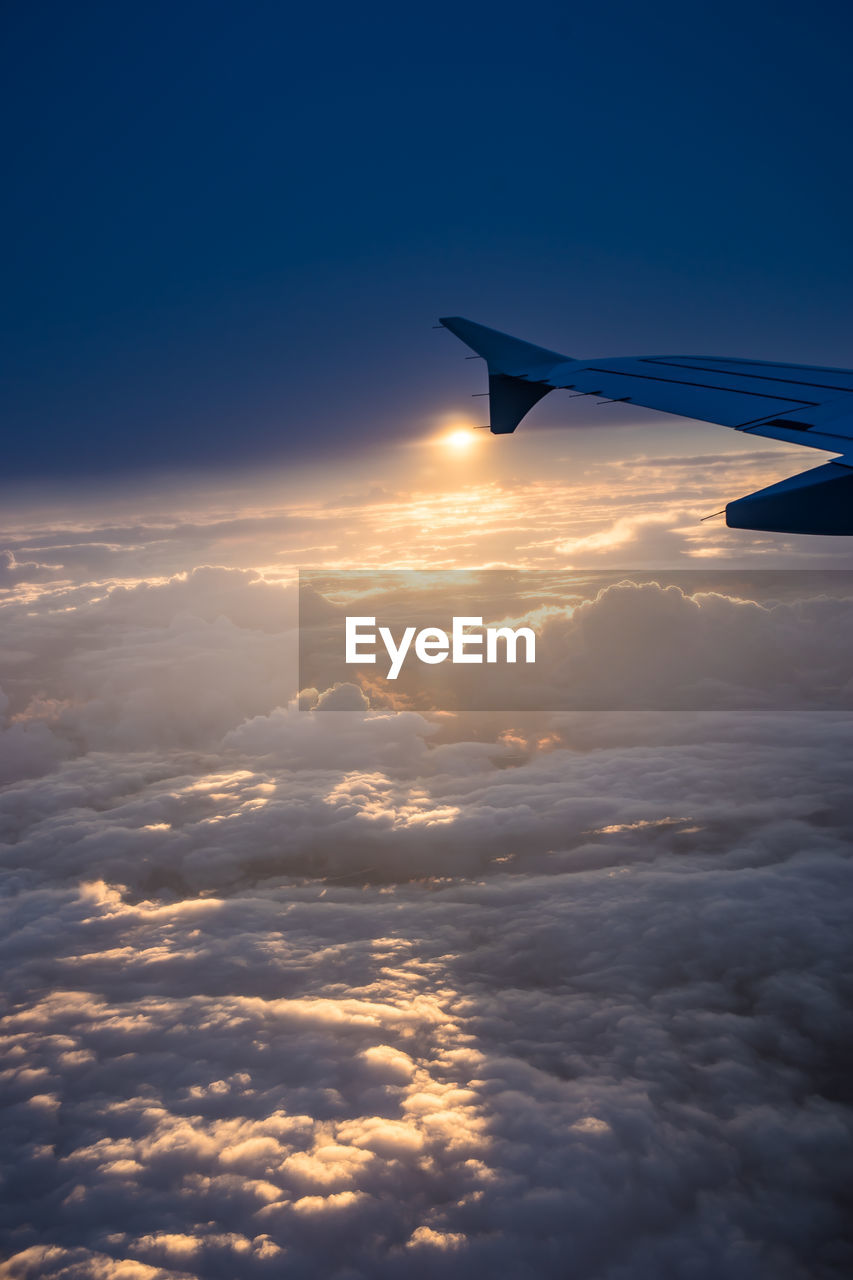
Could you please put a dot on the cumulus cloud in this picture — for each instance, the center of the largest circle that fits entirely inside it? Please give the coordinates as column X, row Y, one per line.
column 382, row 993
column 645, row 1029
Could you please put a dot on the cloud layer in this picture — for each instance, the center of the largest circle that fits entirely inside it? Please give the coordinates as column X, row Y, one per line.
column 607, row 1031
column 373, row 994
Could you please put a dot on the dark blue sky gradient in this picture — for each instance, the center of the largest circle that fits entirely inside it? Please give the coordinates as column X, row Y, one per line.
column 228, row 228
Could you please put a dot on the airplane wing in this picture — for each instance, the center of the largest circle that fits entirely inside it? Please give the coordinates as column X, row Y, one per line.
column 804, row 404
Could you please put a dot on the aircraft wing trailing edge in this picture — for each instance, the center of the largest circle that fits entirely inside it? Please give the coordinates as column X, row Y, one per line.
column 802, row 404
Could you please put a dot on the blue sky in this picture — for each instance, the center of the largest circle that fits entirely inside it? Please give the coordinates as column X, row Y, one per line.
column 229, row 230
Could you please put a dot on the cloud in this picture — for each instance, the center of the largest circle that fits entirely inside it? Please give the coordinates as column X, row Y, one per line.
column 691, row 462
column 499, row 1068
column 14, row 571
column 653, row 645
column 378, row 994
column 342, row 697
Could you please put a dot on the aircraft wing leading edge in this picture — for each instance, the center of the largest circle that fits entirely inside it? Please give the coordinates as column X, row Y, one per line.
column 802, row 404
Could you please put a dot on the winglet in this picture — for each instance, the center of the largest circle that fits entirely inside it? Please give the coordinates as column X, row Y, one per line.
column 517, row 370
column 503, row 354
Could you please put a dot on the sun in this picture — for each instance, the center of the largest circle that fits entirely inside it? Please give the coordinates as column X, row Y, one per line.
column 461, row 440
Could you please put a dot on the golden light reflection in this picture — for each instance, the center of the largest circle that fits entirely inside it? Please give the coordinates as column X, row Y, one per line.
column 374, row 797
